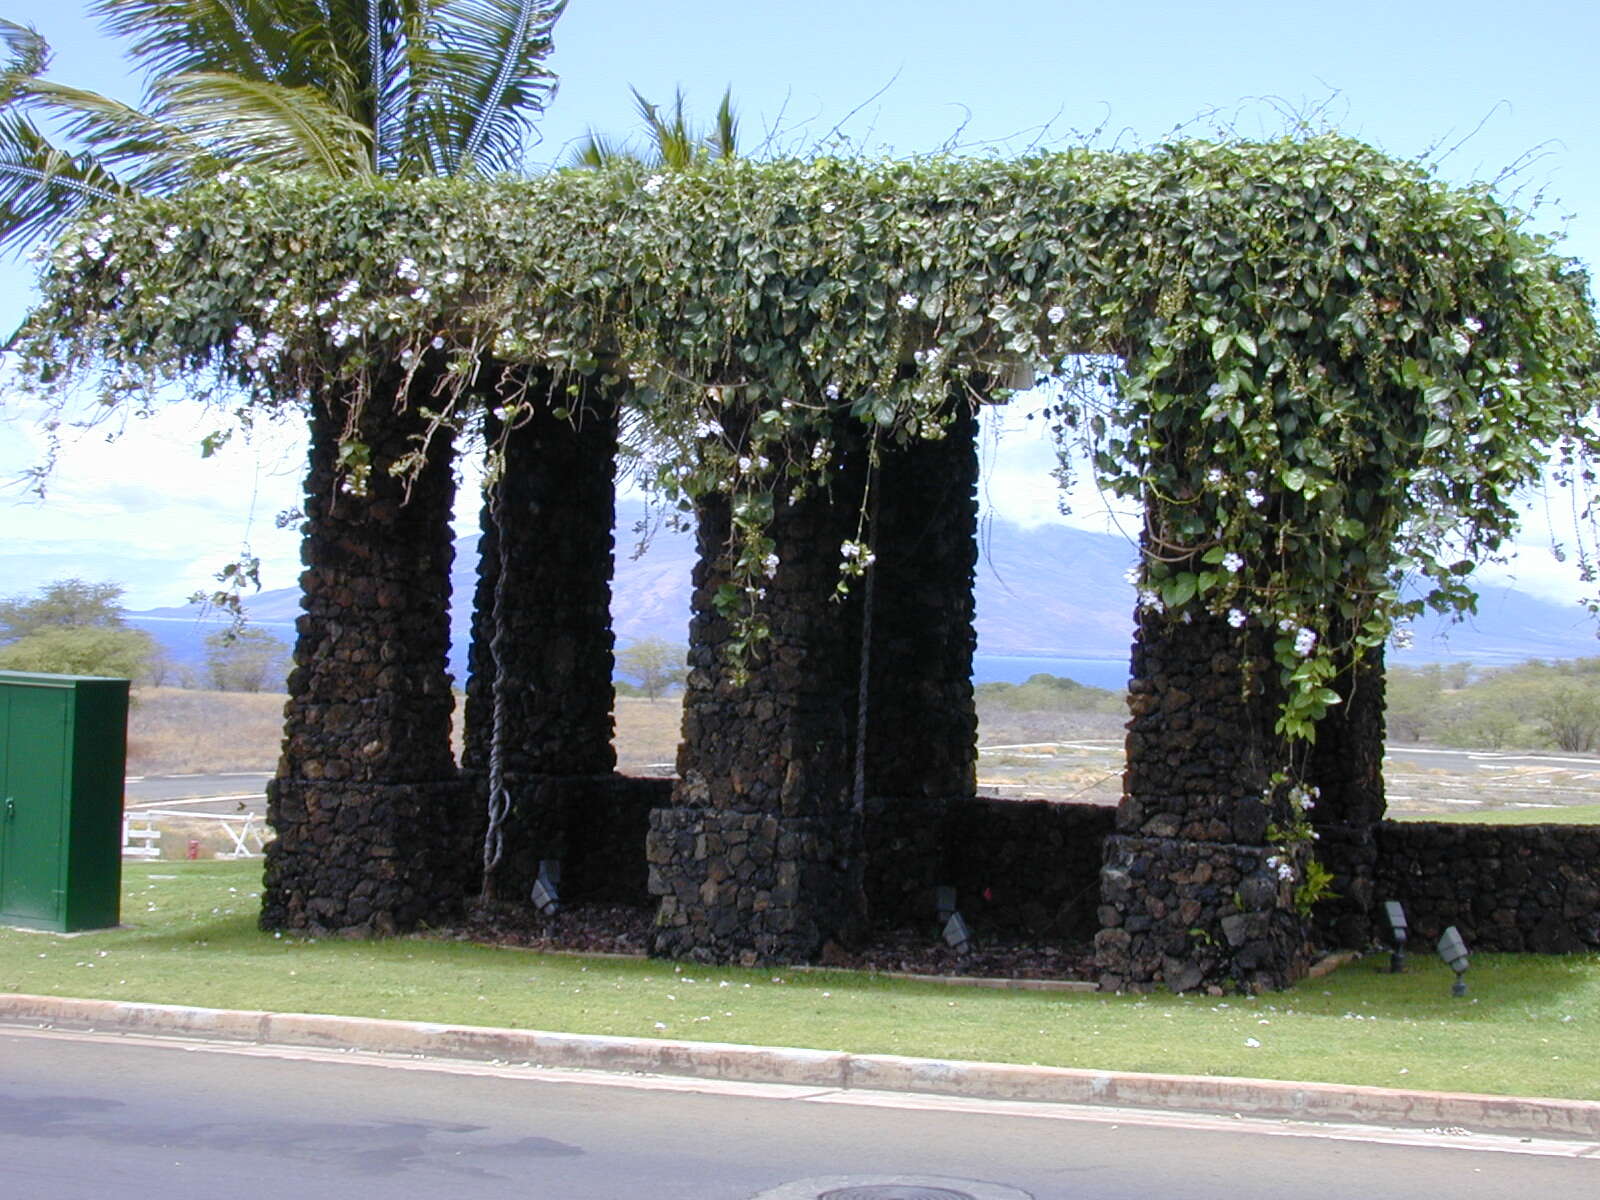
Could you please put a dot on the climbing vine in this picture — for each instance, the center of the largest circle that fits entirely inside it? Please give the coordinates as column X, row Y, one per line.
column 1324, row 370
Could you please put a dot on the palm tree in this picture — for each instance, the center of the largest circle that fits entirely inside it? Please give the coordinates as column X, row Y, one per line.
column 674, row 144
column 342, row 88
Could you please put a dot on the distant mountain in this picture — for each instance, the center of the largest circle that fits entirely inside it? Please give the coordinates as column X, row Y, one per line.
column 1047, row 591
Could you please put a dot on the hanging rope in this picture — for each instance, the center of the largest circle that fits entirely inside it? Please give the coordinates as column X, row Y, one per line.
column 858, row 791
column 499, row 795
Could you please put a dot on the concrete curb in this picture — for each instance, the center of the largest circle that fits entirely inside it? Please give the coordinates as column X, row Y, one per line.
column 1523, row 1116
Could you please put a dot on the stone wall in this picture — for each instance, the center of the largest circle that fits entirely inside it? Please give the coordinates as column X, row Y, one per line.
column 1193, row 894
column 1506, row 887
column 1020, row 867
column 366, row 804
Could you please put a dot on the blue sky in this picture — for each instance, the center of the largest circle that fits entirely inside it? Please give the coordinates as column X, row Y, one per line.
column 1477, row 88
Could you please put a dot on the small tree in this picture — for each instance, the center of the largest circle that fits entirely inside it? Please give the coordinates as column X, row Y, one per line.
column 73, row 628
column 72, row 650
column 246, row 660
column 66, row 602
column 1569, row 714
column 656, row 665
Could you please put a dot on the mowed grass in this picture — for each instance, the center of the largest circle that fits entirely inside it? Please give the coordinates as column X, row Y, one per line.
column 1529, row 1026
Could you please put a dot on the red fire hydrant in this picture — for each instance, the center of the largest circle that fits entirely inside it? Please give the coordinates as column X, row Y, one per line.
column 194, row 849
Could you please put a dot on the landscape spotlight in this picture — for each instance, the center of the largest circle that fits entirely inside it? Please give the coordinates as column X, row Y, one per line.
column 955, row 933
column 546, row 895
column 1397, row 923
column 944, row 902
column 1454, row 952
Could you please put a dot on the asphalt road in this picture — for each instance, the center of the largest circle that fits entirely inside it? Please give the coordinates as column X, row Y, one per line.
column 83, row 1117
column 221, row 793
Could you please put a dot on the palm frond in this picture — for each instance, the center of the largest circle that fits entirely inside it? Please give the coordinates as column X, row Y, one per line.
column 248, row 120
column 480, row 82
column 43, row 188
column 30, row 53
column 247, row 37
column 724, row 137
column 596, row 151
column 146, row 152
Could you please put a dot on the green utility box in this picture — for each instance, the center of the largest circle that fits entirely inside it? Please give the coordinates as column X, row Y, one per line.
column 63, row 748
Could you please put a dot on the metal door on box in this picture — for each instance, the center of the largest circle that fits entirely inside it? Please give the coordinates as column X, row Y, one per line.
column 62, row 752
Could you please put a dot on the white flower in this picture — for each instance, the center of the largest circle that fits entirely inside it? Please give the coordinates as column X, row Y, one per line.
column 653, row 184
column 745, row 463
column 1214, row 475
column 301, row 311
column 1254, row 498
column 406, row 268
column 831, row 391
column 1214, row 391
column 273, row 345
column 1149, row 599
column 828, row 206
column 422, row 295
column 1402, row 639
column 907, row 301
column 1133, row 575
column 244, row 338
column 1305, row 641
column 451, row 278
column 437, row 343
column 1236, row 618
column 350, row 288
column 770, row 563
column 1473, row 324
column 1232, row 562
column 1056, row 315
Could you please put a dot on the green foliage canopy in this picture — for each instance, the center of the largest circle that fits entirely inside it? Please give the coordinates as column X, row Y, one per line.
column 1328, row 369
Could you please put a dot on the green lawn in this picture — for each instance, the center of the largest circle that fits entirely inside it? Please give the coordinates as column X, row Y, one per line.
column 1529, row 1026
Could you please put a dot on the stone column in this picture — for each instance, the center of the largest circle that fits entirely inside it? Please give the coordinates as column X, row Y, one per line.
column 758, row 860
column 1191, row 892
column 367, row 805
column 921, row 747
column 552, row 531
column 1347, row 766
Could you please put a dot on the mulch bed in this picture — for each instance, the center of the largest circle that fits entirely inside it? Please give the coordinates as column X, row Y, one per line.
column 624, row 929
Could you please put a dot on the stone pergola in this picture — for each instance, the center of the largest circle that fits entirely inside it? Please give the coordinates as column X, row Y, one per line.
column 1311, row 309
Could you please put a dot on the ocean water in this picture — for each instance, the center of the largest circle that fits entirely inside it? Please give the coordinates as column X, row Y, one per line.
column 1109, row 673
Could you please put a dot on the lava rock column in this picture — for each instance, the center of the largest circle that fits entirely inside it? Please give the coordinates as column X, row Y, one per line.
column 1192, row 892
column 367, row 803
column 922, row 724
column 759, row 858
column 552, row 529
